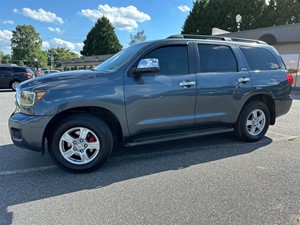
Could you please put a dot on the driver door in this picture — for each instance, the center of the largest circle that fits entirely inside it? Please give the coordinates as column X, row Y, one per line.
column 161, row 101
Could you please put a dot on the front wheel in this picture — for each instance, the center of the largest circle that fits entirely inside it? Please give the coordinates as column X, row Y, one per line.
column 81, row 143
column 253, row 122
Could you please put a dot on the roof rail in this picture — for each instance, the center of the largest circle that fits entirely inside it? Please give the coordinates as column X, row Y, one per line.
column 212, row 37
column 8, row 64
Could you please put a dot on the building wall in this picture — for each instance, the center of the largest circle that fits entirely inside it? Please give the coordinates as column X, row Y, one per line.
column 288, row 48
column 292, row 62
column 86, row 62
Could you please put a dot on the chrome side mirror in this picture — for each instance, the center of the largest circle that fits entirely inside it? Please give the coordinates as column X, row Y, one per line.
column 150, row 65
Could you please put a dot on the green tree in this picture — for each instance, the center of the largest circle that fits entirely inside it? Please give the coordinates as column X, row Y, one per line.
column 196, row 23
column 57, row 54
column 1, row 55
column 4, row 58
column 251, row 12
column 255, row 14
column 285, row 12
column 138, row 37
column 26, row 46
column 101, row 39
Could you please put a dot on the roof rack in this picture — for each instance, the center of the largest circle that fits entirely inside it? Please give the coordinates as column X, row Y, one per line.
column 212, row 37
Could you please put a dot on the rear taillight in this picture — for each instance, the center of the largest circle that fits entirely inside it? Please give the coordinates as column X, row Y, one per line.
column 29, row 75
column 290, row 78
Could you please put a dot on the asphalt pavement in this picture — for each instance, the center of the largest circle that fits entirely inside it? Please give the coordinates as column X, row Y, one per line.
column 209, row 180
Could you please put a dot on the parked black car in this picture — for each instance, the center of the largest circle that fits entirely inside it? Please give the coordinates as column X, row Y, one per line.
column 179, row 87
column 12, row 75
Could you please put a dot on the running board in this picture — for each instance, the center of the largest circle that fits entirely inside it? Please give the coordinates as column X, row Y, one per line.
column 177, row 135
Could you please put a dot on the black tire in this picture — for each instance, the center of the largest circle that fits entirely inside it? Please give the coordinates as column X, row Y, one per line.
column 253, row 122
column 14, row 84
column 81, row 143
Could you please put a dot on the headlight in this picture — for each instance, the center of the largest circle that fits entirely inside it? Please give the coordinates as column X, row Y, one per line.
column 29, row 98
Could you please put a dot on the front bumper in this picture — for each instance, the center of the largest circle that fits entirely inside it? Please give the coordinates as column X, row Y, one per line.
column 27, row 131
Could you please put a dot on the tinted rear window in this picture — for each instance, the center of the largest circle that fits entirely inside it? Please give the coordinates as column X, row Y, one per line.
column 18, row 69
column 29, row 71
column 260, row 58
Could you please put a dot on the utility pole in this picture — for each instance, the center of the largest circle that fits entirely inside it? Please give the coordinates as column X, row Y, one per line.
column 238, row 20
column 36, row 60
column 52, row 59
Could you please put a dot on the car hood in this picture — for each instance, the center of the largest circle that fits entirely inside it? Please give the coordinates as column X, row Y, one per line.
column 62, row 79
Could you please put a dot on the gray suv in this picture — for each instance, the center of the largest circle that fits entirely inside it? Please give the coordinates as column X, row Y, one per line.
column 179, row 87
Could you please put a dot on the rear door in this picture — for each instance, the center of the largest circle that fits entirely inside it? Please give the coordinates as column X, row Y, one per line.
column 161, row 101
column 267, row 71
column 223, row 84
column 5, row 77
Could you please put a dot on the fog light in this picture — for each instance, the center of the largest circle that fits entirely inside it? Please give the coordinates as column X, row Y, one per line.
column 16, row 134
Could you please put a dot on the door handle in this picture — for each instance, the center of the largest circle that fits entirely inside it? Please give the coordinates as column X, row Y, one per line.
column 244, row 79
column 187, row 84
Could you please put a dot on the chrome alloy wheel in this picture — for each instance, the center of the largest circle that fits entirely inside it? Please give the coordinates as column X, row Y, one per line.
column 79, row 145
column 256, row 122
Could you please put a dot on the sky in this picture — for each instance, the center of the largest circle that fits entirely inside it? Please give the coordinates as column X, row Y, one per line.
column 65, row 23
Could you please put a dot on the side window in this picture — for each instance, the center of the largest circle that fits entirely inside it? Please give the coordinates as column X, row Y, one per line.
column 216, row 58
column 4, row 69
column 260, row 58
column 172, row 59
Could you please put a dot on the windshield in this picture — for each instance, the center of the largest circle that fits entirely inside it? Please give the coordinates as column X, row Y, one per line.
column 114, row 63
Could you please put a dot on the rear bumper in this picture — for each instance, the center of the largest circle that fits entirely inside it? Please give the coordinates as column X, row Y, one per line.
column 28, row 131
column 283, row 105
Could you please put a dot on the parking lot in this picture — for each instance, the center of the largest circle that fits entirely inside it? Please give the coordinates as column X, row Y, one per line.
column 209, row 180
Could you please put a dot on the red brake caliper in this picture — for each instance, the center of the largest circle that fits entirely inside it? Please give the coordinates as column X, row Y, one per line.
column 92, row 139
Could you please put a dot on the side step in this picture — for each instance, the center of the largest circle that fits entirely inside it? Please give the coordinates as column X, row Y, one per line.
column 176, row 135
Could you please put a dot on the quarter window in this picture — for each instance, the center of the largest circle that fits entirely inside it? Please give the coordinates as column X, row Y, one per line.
column 260, row 58
column 172, row 59
column 216, row 58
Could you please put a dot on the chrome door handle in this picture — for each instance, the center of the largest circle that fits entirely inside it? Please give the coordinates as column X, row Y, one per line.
column 187, row 84
column 244, row 79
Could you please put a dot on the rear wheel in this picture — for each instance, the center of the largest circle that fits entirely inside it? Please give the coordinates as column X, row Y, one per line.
column 81, row 143
column 14, row 84
column 253, row 121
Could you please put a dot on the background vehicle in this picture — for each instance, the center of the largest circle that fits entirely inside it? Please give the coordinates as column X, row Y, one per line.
column 179, row 87
column 11, row 75
column 45, row 72
column 37, row 73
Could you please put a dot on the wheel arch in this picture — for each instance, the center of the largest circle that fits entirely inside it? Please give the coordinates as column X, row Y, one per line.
column 107, row 116
column 268, row 100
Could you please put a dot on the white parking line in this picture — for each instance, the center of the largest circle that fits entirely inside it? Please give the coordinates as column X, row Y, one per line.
column 284, row 136
column 279, row 134
column 13, row 172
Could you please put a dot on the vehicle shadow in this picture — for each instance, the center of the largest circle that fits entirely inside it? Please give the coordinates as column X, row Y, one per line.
column 135, row 162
